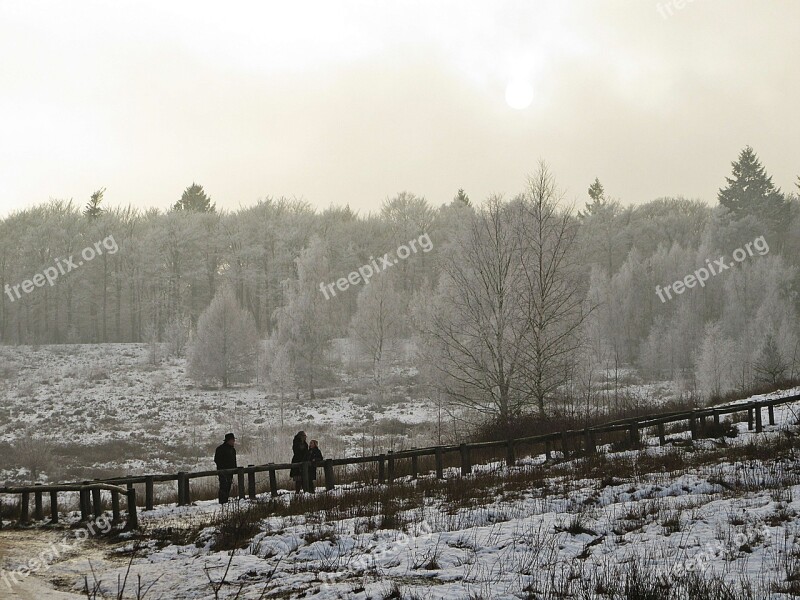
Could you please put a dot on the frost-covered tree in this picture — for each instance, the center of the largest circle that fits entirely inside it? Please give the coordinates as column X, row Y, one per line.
column 716, row 368
column 279, row 372
column 304, row 322
column 378, row 320
column 225, row 346
column 770, row 367
column 471, row 327
column 176, row 336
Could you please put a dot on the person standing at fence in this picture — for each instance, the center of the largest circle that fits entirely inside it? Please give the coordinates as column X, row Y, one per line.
column 300, row 455
column 225, row 458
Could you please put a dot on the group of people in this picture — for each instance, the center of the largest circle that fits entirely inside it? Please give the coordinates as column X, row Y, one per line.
column 303, row 451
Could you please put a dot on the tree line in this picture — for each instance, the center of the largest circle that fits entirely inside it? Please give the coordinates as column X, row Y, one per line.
column 521, row 300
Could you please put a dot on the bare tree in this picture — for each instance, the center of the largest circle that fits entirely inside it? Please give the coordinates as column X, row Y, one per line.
column 225, row 346
column 504, row 328
column 553, row 289
column 472, row 328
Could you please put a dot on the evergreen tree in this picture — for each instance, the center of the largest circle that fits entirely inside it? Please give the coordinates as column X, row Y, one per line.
column 750, row 191
column 93, row 210
column 598, row 196
column 461, row 196
column 194, row 198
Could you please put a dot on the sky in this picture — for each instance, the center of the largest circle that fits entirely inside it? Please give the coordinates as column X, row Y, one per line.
column 352, row 102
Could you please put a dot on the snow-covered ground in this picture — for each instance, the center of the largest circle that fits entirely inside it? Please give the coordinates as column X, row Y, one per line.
column 713, row 513
column 104, row 410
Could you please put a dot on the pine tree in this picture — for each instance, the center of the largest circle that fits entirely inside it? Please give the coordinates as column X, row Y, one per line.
column 194, row 198
column 598, row 196
column 750, row 191
column 93, row 210
column 461, row 196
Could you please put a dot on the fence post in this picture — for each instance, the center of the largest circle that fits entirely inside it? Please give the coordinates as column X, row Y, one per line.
column 439, row 463
column 661, row 435
column 133, row 519
column 466, row 464
column 749, row 419
column 85, row 502
column 114, row 506
column 305, row 470
column 183, row 482
column 187, row 494
column 273, row 483
column 23, row 508
column 716, row 418
column 251, row 482
column 381, row 468
column 148, row 492
column 633, row 433
column 511, row 458
column 97, row 502
column 240, row 483
column 548, row 450
column 759, row 424
column 390, row 459
column 328, row 468
column 37, row 502
column 771, row 411
column 693, row 426
column 591, row 444
column 564, row 444
column 414, row 466
column 54, row 506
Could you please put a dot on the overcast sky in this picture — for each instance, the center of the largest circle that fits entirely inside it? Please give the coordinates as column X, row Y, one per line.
column 352, row 102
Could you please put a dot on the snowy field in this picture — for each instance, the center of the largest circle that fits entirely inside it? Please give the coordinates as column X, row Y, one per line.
column 105, row 410
column 709, row 519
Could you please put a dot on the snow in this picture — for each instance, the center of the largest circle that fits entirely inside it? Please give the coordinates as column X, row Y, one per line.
column 516, row 539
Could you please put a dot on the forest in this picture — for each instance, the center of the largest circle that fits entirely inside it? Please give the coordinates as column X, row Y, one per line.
column 522, row 299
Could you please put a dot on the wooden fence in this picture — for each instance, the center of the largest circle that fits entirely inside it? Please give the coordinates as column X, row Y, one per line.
column 567, row 442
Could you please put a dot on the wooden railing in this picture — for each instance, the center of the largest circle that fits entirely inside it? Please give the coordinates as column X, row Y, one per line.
column 90, row 501
column 568, row 442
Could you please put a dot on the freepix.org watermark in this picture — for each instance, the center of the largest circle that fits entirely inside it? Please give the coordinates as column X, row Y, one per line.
column 45, row 559
column 366, row 272
column 703, row 274
column 701, row 561
column 63, row 266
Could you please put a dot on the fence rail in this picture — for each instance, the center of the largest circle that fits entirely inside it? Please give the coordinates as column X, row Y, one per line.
column 568, row 442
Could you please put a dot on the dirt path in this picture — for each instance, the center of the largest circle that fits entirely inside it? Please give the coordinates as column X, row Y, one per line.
column 16, row 548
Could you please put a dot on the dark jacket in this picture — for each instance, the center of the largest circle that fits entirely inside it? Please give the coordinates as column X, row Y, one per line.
column 301, row 454
column 315, row 455
column 225, row 456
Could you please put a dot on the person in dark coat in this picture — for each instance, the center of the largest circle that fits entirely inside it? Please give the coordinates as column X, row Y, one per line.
column 315, row 455
column 225, row 458
column 301, row 454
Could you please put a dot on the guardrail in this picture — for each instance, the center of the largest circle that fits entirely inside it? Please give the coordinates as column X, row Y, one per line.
column 569, row 442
